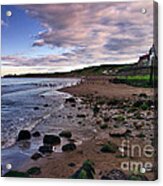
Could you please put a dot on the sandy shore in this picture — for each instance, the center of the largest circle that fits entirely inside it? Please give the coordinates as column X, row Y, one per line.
column 115, row 120
column 103, row 87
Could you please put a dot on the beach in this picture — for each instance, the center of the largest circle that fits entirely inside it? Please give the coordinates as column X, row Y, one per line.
column 100, row 116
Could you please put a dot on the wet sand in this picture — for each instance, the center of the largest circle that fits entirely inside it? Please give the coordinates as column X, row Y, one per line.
column 88, row 134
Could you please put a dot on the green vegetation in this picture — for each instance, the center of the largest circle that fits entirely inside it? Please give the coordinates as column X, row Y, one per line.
column 18, row 174
column 104, row 70
column 141, row 135
column 34, row 171
column 137, row 80
column 96, row 110
column 31, row 171
column 137, row 177
column 109, row 148
column 144, row 105
column 85, row 172
column 120, row 156
column 119, row 118
column 104, row 126
column 137, row 77
column 88, row 71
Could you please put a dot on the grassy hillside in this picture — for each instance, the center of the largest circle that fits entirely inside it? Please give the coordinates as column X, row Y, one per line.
column 90, row 71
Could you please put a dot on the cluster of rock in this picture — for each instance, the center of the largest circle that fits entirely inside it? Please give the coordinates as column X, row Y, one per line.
column 87, row 171
column 128, row 117
column 49, row 142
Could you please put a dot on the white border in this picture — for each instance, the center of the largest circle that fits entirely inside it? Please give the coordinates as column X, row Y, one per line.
column 52, row 182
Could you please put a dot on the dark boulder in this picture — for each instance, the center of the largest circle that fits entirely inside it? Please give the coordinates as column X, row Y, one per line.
column 24, row 135
column 69, row 147
column 36, row 134
column 81, row 115
column 114, row 174
column 45, row 149
column 36, row 108
column 51, row 140
column 71, row 164
column 46, row 105
column 34, row 171
column 143, row 95
column 70, row 100
column 36, row 156
column 66, row 134
column 17, row 174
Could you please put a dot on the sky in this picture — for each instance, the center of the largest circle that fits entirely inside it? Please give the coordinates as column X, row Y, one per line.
column 63, row 37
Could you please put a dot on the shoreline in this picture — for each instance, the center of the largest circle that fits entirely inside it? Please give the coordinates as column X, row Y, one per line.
column 24, row 149
column 57, row 164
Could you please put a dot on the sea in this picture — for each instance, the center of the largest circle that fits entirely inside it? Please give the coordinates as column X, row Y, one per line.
column 24, row 101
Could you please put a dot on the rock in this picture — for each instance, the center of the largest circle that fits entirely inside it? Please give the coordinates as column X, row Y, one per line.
column 96, row 110
column 36, row 156
column 70, row 100
column 104, row 126
column 69, row 147
column 140, row 135
column 46, row 105
column 24, row 135
column 17, row 174
column 69, row 117
column 98, row 121
column 66, row 134
column 138, row 103
column 143, row 95
column 114, row 174
column 150, row 103
column 138, row 116
column 51, row 140
column 36, row 134
column 106, row 119
column 109, row 148
column 119, row 118
column 138, row 125
column 45, row 149
column 36, row 108
column 120, row 132
column 85, row 172
column 138, row 177
column 34, row 171
column 81, row 115
column 113, row 102
column 71, row 164
column 144, row 105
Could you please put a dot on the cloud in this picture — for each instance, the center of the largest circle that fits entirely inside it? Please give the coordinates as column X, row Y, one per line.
column 39, row 42
column 98, row 33
column 98, row 27
column 49, row 60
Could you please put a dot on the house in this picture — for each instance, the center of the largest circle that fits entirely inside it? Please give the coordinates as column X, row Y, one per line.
column 144, row 60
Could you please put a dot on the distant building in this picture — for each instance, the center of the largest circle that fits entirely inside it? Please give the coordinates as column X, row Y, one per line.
column 143, row 61
column 146, row 60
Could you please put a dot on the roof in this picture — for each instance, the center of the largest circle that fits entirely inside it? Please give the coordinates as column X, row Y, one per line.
column 146, row 56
